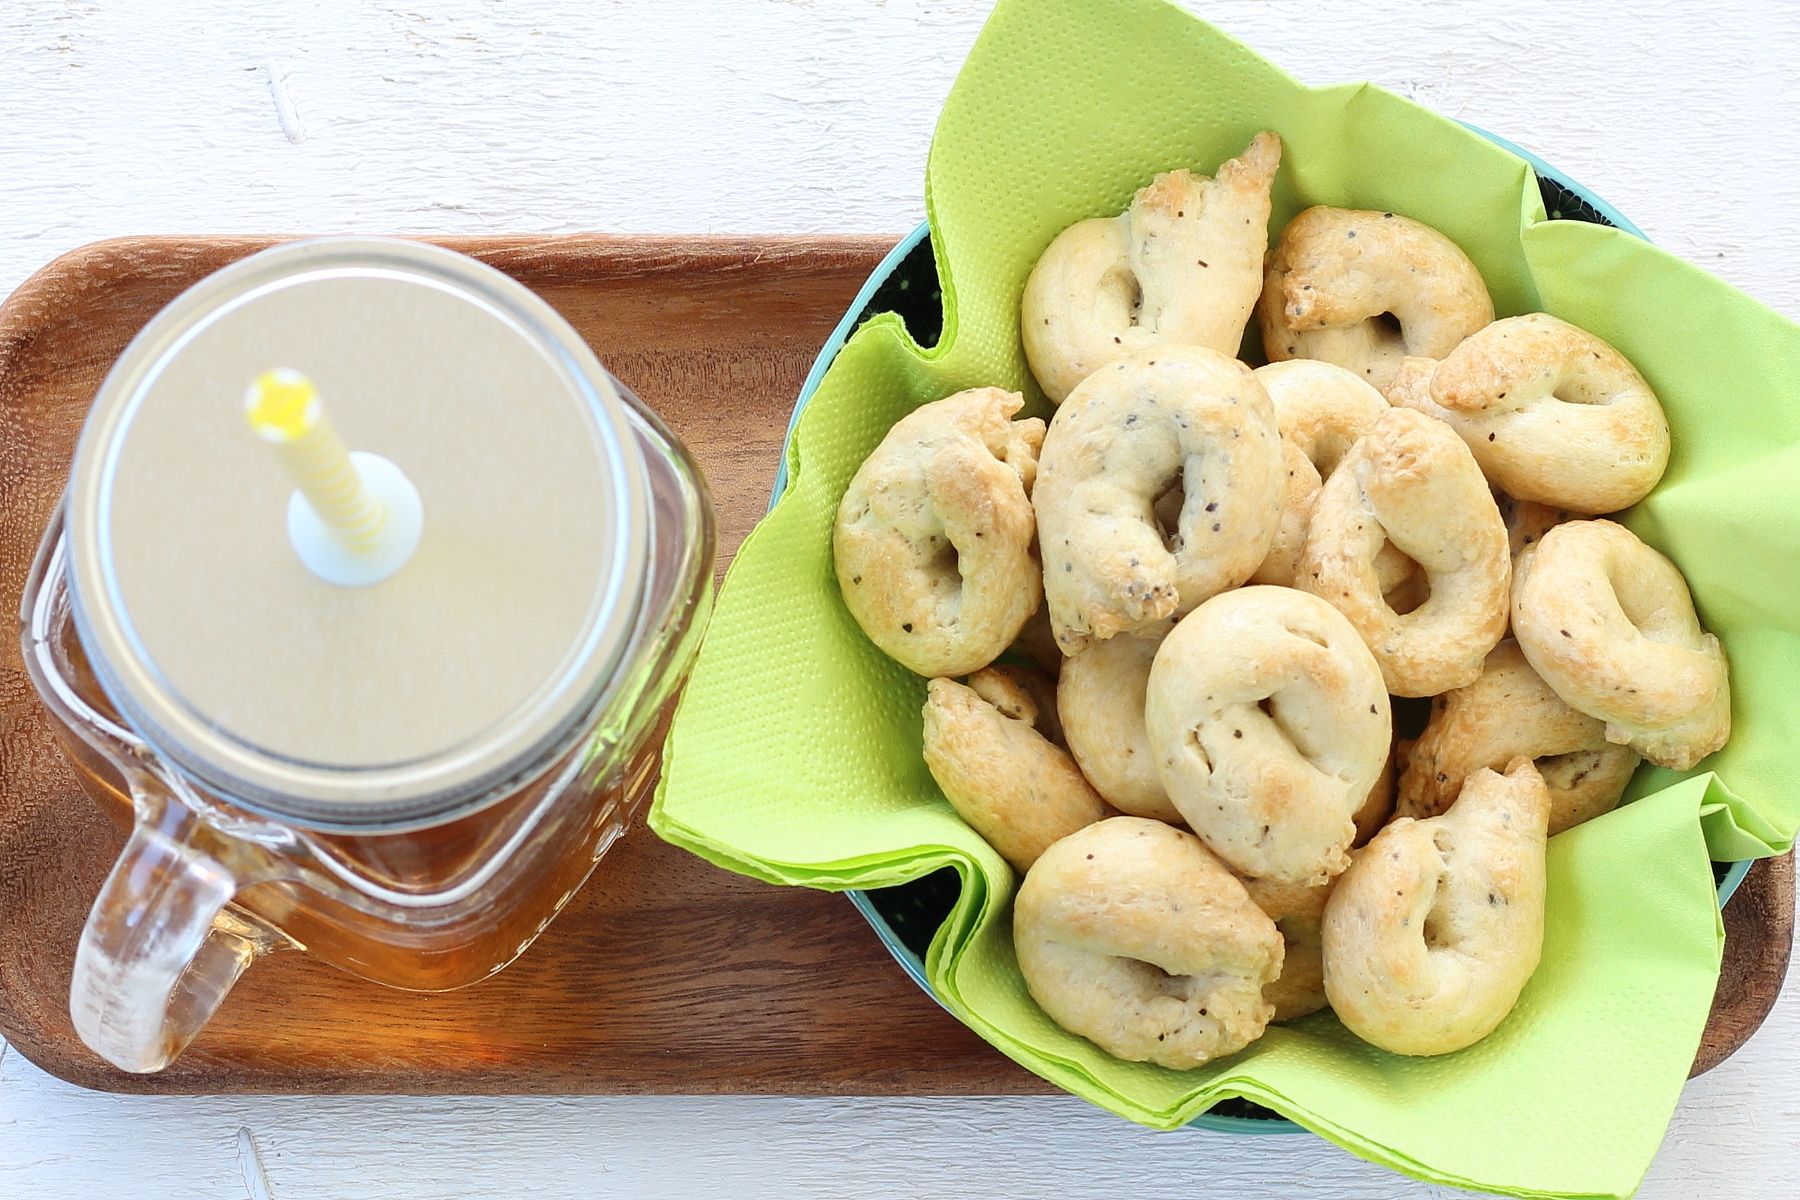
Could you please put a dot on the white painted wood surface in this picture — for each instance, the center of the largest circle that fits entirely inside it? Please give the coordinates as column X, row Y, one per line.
column 455, row 116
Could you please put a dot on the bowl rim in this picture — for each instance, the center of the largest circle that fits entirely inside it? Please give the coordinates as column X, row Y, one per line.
column 911, row 963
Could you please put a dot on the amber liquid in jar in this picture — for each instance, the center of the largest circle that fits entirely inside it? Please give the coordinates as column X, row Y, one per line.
column 466, row 944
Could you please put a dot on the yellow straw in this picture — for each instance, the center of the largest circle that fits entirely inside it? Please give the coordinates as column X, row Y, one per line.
column 284, row 409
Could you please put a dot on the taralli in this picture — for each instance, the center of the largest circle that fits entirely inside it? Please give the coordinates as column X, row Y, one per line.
column 1297, row 912
column 1365, row 289
column 1270, row 726
column 1435, row 929
column 1101, row 699
column 1130, row 934
column 1527, row 521
column 1002, row 776
column 1609, row 624
column 1181, row 267
column 1403, row 479
column 1322, row 409
column 1510, row 713
column 1412, row 482
column 1186, row 417
column 933, row 537
column 1552, row 413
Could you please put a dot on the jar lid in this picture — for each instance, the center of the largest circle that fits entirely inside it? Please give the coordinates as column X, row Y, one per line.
column 490, row 648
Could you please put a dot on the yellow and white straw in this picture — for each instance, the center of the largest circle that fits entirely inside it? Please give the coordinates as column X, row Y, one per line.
column 354, row 518
column 284, row 409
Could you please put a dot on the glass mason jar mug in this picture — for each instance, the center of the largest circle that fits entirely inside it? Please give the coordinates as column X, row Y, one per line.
column 393, row 715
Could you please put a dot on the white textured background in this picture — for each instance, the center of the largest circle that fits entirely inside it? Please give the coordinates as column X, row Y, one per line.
column 456, row 116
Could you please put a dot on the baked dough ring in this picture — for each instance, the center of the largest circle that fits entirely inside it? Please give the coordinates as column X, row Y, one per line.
column 1552, row 413
column 1101, row 699
column 1608, row 623
column 1269, row 724
column 1322, row 409
column 1297, row 912
column 1185, row 416
column 1181, row 266
column 1434, row 930
column 1131, row 935
column 1509, row 713
column 1340, row 279
column 1411, row 481
column 1003, row 777
column 933, row 536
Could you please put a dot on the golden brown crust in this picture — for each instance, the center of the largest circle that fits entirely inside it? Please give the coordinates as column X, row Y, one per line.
column 1186, row 416
column 1552, row 413
column 1412, row 482
column 1002, row 776
column 1508, row 713
column 1101, row 699
column 1130, row 934
column 1339, row 280
column 1181, row 266
column 933, row 539
column 1270, row 725
column 1609, row 624
column 1437, row 926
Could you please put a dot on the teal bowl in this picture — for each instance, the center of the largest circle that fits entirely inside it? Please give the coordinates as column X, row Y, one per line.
column 905, row 917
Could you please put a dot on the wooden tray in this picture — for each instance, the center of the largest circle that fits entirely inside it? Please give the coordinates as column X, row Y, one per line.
column 664, row 974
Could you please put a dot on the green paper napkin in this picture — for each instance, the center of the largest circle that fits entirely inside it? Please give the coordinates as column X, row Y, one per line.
column 795, row 754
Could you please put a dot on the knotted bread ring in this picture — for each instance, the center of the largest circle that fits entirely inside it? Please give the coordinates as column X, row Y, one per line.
column 1552, row 413
column 1100, row 697
column 1340, row 280
column 1131, row 935
column 1411, row 481
column 1509, row 713
column 1010, row 783
column 1298, row 913
column 933, row 536
column 1322, row 409
column 1434, row 930
column 1609, row 624
column 1184, row 417
column 1270, row 726
column 1181, row 266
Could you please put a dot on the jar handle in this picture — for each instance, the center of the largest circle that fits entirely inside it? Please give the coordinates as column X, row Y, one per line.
column 152, row 967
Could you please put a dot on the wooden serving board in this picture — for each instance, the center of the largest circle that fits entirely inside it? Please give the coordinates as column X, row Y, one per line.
column 664, row 974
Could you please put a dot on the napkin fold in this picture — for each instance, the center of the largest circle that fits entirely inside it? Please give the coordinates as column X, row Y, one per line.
column 795, row 756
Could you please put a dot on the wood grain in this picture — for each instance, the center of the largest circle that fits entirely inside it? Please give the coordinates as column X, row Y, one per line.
column 664, row 974
column 1759, row 935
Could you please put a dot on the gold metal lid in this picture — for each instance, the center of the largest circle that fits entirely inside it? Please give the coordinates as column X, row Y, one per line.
column 337, row 705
